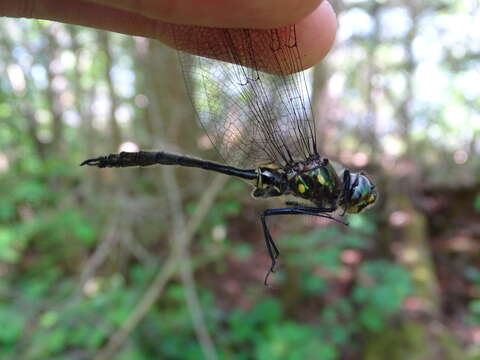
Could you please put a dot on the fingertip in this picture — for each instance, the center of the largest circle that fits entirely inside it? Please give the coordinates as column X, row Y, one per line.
column 274, row 13
column 316, row 34
column 253, row 14
column 315, row 37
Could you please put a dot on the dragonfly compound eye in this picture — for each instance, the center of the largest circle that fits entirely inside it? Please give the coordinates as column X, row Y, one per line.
column 363, row 195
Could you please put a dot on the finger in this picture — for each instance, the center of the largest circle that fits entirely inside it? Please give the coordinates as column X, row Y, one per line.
column 264, row 14
column 315, row 33
column 80, row 12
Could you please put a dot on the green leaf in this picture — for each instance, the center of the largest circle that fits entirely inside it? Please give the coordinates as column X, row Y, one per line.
column 56, row 340
column 474, row 307
column 31, row 191
column 382, row 292
column 49, row 319
column 7, row 209
column 476, row 203
column 9, row 246
column 13, row 323
column 296, row 342
column 314, row 284
column 372, row 319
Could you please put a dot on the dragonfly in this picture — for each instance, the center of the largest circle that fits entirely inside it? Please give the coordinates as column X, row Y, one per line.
column 261, row 124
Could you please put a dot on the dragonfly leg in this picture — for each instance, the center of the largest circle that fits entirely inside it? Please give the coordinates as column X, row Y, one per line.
column 315, row 209
column 270, row 244
column 272, row 249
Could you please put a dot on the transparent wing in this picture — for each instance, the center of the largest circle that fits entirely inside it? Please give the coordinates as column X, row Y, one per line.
column 250, row 116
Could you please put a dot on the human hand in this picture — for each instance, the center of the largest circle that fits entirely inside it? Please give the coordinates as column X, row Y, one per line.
column 315, row 20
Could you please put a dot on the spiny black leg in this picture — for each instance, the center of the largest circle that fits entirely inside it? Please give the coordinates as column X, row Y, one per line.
column 272, row 249
column 314, row 209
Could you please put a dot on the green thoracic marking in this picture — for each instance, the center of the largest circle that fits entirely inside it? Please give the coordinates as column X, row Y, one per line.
column 302, row 181
column 324, row 177
column 321, row 179
column 301, row 185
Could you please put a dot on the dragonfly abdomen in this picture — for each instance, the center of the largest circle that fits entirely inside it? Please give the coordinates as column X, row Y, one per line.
column 147, row 158
column 270, row 182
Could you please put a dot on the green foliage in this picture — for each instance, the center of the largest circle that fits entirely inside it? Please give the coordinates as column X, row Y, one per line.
column 407, row 340
column 380, row 292
column 322, row 250
column 474, row 308
column 377, row 293
column 264, row 330
column 289, row 340
column 473, row 275
column 261, row 332
column 33, row 210
column 12, row 330
column 333, row 290
column 224, row 208
column 476, row 203
column 81, row 322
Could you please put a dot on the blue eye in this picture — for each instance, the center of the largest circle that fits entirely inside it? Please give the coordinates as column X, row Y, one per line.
column 363, row 195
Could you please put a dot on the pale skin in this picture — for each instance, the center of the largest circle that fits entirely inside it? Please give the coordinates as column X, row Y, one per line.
column 314, row 19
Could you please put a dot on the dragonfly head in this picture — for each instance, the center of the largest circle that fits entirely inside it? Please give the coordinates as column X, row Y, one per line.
column 358, row 193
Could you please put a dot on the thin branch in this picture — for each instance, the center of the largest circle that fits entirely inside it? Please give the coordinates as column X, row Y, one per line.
column 137, row 250
column 164, row 275
column 179, row 246
column 101, row 253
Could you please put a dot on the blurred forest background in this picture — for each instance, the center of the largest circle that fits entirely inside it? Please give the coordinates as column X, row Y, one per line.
column 168, row 263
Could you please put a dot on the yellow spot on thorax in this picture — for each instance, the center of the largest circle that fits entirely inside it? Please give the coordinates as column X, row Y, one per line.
column 321, row 179
column 301, row 188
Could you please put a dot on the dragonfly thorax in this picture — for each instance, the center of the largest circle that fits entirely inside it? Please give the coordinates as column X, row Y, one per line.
column 314, row 180
column 317, row 182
